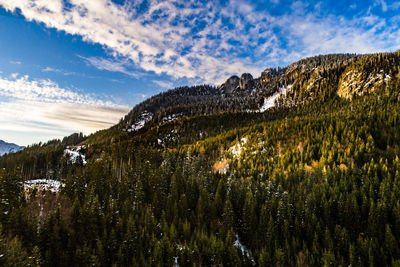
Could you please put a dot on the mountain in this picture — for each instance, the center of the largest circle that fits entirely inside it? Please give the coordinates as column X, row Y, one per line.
column 267, row 171
column 6, row 148
column 320, row 77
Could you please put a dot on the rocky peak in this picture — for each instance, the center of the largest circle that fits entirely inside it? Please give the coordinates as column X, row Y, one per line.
column 267, row 76
column 246, row 81
column 230, row 85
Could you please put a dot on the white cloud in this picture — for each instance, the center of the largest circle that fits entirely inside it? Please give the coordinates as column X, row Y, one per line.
column 65, row 73
column 49, row 69
column 109, row 65
column 42, row 107
column 24, row 88
column 15, row 62
column 163, row 84
column 162, row 45
column 207, row 42
column 383, row 4
column 312, row 35
column 395, row 6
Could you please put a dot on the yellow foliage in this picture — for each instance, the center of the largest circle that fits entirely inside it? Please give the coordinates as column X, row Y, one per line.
column 221, row 166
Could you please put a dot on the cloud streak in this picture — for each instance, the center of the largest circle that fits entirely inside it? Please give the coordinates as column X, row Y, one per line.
column 109, row 65
column 43, row 108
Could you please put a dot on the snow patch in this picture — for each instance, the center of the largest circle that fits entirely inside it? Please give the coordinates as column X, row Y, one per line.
column 245, row 251
column 387, row 78
column 172, row 117
column 170, row 137
column 143, row 118
column 74, row 153
column 269, row 102
column 238, row 148
column 43, row 184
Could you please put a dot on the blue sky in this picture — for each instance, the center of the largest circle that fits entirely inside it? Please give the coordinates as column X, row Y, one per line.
column 76, row 65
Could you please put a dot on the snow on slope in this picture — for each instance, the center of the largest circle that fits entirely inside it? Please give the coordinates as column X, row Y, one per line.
column 74, row 153
column 172, row 117
column 237, row 149
column 143, row 118
column 43, row 184
column 270, row 101
column 245, row 251
column 6, row 148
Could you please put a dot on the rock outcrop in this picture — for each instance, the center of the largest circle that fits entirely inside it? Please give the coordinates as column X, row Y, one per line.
column 230, row 85
column 246, row 82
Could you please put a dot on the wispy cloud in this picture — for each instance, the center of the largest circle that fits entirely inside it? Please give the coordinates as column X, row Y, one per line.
column 41, row 106
column 163, row 84
column 395, row 5
column 209, row 41
column 110, row 65
column 14, row 62
column 49, row 69
column 383, row 4
column 55, row 70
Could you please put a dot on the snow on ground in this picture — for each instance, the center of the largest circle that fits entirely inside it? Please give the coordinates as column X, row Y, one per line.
column 143, row 118
column 270, row 101
column 387, row 78
column 238, row 148
column 170, row 137
column 43, row 184
column 172, row 117
column 245, row 252
column 74, row 153
column 176, row 261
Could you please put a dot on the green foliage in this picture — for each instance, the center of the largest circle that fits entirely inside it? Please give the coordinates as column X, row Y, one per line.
column 315, row 184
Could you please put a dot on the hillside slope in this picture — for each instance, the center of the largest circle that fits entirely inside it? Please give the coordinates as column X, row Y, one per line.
column 283, row 187
column 320, row 77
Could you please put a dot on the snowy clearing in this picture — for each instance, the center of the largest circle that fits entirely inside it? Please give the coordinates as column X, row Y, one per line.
column 43, row 184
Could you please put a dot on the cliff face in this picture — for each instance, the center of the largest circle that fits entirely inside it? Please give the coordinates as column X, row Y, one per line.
column 369, row 74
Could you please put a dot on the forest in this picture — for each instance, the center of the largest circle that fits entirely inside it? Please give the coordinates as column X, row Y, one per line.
column 310, row 184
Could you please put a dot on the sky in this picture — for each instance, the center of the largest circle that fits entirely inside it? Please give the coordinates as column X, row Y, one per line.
column 79, row 66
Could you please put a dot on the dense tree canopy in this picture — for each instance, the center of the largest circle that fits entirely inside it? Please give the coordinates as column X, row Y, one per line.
column 305, row 185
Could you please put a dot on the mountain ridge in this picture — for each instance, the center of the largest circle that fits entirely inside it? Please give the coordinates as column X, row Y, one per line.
column 322, row 76
column 6, row 148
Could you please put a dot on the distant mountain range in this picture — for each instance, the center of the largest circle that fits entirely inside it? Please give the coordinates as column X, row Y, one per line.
column 6, row 148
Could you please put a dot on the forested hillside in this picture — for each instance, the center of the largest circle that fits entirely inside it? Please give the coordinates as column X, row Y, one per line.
column 313, row 180
column 320, row 77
